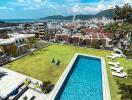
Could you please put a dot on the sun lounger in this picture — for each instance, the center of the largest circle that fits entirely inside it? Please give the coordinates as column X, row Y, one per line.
column 112, row 57
column 122, row 75
column 119, row 69
column 117, row 55
column 114, row 64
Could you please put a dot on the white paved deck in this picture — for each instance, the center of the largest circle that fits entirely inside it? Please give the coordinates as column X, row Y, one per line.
column 9, row 81
column 12, row 79
column 31, row 92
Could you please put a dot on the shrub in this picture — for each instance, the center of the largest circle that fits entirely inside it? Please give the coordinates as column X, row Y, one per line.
column 128, row 54
column 125, row 91
column 47, row 87
column 25, row 98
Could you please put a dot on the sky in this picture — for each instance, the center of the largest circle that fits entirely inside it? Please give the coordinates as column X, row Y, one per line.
column 32, row 9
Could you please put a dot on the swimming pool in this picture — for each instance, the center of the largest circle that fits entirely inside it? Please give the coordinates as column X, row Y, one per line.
column 85, row 78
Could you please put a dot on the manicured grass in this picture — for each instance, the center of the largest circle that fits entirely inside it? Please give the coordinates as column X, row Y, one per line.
column 39, row 64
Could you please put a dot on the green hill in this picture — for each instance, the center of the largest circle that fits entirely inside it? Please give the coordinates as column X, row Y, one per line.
column 105, row 13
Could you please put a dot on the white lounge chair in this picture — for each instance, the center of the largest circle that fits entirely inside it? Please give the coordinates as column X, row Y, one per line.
column 114, row 63
column 117, row 55
column 112, row 57
column 119, row 69
column 122, row 75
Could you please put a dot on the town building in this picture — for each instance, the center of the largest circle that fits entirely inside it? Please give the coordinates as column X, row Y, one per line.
column 17, row 44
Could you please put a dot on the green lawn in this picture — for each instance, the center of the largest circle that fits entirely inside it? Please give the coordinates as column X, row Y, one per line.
column 40, row 67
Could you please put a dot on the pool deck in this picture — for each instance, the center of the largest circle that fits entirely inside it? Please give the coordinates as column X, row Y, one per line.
column 105, row 83
column 9, row 81
column 12, row 79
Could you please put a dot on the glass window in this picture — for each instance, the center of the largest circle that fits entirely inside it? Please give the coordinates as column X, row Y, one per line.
column 17, row 42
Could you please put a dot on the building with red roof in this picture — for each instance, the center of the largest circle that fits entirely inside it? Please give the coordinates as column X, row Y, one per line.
column 92, row 36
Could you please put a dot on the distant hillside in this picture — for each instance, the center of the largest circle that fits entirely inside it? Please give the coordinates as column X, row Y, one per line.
column 5, row 24
column 106, row 13
column 1, row 22
column 55, row 17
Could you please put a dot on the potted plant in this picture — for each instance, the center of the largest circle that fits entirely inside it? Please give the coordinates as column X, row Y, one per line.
column 47, row 87
column 25, row 97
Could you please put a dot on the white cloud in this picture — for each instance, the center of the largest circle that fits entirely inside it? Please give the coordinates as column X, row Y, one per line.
column 94, row 9
column 72, row 0
column 128, row 1
column 4, row 7
column 111, row 6
column 88, row 8
column 29, row 4
column 76, row 8
column 20, row 1
column 100, row 7
column 69, row 7
column 31, row 1
column 38, row 1
column 30, row 8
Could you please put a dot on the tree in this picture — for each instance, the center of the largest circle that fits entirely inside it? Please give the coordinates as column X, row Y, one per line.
column 125, row 91
column 47, row 87
column 120, row 32
column 123, row 13
column 3, row 34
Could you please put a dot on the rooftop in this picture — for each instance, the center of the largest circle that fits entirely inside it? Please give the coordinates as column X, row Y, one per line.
column 12, row 38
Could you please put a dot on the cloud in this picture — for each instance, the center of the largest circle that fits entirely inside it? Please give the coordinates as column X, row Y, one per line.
column 95, row 9
column 62, row 7
column 28, row 4
column 71, row 5
column 76, row 8
column 128, row 1
column 20, row 1
column 72, row 1
column 29, row 1
column 88, row 8
column 4, row 7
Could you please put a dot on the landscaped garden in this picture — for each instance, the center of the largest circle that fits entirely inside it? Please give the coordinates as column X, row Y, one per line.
column 40, row 65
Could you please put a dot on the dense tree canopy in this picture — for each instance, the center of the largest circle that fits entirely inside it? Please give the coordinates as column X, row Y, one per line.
column 121, row 30
column 123, row 13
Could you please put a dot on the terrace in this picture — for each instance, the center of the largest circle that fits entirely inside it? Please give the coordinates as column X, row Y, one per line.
column 19, row 88
column 39, row 65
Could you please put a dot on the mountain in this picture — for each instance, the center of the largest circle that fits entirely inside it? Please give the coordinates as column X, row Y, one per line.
column 55, row 17
column 1, row 22
column 5, row 24
column 105, row 13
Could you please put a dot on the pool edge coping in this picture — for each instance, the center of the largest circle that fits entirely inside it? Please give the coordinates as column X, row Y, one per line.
column 105, row 82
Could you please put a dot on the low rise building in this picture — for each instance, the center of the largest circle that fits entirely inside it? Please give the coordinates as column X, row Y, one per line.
column 17, row 44
column 91, row 37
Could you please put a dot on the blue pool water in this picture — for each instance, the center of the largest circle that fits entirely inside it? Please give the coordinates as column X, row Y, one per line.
column 84, row 81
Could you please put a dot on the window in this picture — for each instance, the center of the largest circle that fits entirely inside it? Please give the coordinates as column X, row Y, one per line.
column 20, row 40
column 23, row 40
column 17, row 42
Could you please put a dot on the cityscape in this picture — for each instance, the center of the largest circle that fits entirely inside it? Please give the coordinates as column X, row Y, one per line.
column 66, row 50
